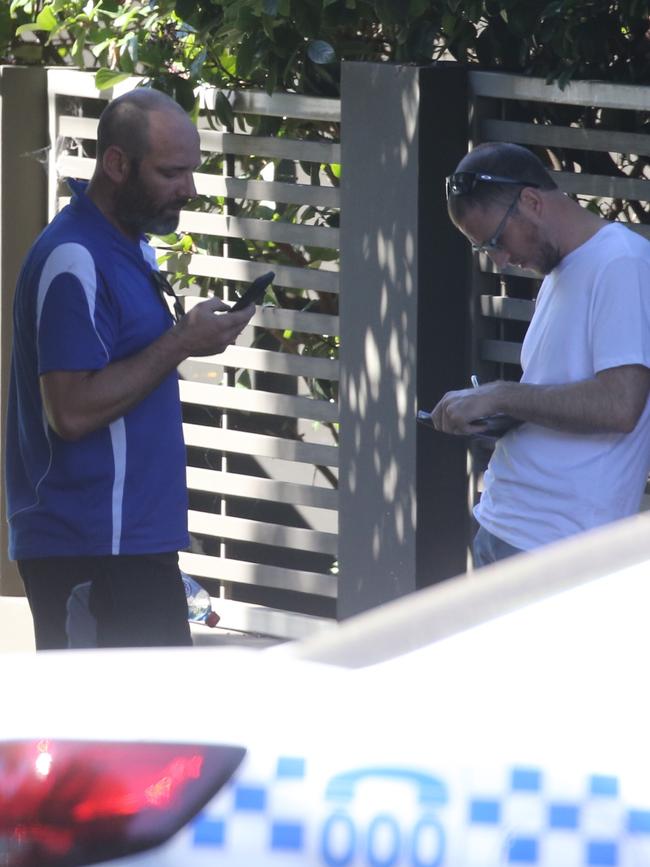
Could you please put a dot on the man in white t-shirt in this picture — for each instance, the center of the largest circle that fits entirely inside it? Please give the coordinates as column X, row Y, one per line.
column 581, row 457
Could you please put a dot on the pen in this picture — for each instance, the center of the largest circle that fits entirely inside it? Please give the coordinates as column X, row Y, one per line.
column 474, row 380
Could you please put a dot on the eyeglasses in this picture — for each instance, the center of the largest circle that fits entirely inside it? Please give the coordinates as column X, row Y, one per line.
column 463, row 183
column 493, row 243
column 164, row 287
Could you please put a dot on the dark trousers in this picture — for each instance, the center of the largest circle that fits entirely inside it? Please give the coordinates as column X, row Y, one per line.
column 488, row 548
column 137, row 600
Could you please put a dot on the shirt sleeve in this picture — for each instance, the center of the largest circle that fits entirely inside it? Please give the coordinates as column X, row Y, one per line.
column 621, row 314
column 70, row 297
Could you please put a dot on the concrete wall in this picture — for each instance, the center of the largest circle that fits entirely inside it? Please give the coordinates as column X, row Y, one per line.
column 16, row 628
column 23, row 213
column 403, row 515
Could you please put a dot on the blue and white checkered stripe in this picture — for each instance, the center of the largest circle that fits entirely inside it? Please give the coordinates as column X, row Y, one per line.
column 255, row 814
column 533, row 820
column 278, row 814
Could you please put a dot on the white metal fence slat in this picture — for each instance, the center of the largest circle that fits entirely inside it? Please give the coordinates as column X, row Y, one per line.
column 260, row 574
column 254, row 487
column 260, row 445
column 261, row 533
column 277, row 104
column 245, row 270
column 258, row 230
column 500, row 85
column 274, row 362
column 257, row 401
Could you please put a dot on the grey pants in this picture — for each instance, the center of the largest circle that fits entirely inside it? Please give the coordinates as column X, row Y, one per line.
column 488, row 548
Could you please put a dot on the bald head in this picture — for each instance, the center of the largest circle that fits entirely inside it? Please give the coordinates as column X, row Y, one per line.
column 125, row 122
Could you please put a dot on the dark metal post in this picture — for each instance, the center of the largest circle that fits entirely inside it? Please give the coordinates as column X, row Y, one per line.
column 404, row 519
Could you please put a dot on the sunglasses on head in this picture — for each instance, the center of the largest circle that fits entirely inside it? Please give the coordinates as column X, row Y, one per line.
column 463, row 183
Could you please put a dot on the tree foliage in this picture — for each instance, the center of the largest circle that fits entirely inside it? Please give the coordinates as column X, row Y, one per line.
column 297, row 45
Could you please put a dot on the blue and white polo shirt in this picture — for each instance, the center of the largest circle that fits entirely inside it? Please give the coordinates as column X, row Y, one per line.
column 85, row 298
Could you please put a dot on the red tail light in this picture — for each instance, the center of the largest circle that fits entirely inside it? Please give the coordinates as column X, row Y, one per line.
column 70, row 803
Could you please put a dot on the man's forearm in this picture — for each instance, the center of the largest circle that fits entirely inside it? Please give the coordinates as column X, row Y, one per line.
column 610, row 402
column 79, row 402
column 577, row 407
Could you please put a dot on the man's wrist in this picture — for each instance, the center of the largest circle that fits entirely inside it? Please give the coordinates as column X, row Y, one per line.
column 174, row 344
column 506, row 397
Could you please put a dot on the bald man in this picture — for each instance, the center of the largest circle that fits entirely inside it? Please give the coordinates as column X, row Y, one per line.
column 95, row 464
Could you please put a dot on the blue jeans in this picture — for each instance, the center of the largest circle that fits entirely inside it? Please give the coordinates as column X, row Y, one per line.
column 489, row 549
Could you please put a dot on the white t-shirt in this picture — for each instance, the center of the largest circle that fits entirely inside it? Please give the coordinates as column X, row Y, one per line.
column 592, row 313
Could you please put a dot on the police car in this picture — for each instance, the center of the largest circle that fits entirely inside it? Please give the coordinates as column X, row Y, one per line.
column 500, row 718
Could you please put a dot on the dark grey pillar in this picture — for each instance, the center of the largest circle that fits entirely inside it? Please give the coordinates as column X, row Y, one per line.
column 404, row 518
column 23, row 213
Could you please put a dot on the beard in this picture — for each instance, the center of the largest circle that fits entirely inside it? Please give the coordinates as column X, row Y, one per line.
column 544, row 255
column 140, row 213
column 547, row 258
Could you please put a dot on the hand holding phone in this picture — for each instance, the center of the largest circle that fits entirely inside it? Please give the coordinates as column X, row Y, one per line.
column 496, row 425
column 254, row 293
column 492, row 426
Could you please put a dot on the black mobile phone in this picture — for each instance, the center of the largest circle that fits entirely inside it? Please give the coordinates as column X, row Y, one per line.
column 424, row 417
column 254, row 293
column 496, row 425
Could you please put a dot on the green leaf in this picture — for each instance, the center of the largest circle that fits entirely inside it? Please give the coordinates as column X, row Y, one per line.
column 126, row 17
column 197, row 64
column 132, row 47
column 418, row 7
column 46, row 19
column 246, row 56
column 321, row 254
column 126, row 63
column 77, row 50
column 271, row 80
column 27, row 28
column 223, row 110
column 186, row 243
column 185, row 8
column 321, row 52
column 180, row 89
column 228, row 61
column 105, row 78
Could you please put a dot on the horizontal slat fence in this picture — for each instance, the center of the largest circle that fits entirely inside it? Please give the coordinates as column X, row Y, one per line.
column 260, row 420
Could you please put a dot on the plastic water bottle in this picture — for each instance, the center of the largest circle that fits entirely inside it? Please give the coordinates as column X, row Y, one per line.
column 199, row 605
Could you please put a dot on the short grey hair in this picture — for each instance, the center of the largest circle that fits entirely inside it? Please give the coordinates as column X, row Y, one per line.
column 125, row 120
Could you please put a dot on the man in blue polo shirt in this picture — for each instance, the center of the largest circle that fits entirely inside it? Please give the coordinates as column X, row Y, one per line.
column 95, row 455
